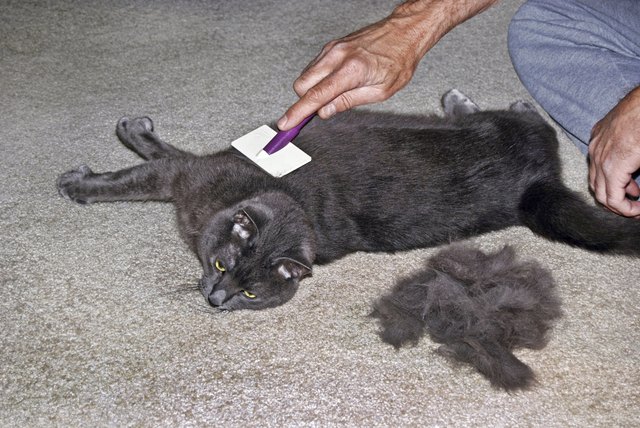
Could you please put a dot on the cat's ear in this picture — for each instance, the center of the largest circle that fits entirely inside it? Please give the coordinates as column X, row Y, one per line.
column 243, row 226
column 291, row 269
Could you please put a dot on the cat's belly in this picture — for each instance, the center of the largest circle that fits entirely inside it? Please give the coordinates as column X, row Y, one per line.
column 390, row 231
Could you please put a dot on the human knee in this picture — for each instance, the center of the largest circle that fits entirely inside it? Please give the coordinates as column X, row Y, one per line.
column 524, row 27
column 535, row 28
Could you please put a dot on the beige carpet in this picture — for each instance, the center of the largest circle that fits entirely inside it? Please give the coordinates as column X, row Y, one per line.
column 96, row 326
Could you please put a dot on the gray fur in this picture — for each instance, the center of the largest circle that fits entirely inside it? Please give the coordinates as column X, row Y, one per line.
column 377, row 182
column 479, row 306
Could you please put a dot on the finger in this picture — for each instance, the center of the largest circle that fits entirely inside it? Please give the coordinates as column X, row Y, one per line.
column 596, row 180
column 593, row 172
column 633, row 189
column 323, row 52
column 593, row 163
column 309, row 79
column 353, row 98
column 327, row 62
column 600, row 191
column 618, row 200
column 318, row 96
column 312, row 75
column 616, row 204
column 626, row 207
column 616, row 184
column 599, row 186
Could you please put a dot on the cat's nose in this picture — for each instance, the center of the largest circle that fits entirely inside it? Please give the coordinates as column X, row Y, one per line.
column 217, row 297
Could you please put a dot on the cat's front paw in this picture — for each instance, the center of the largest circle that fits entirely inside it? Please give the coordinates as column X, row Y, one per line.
column 70, row 184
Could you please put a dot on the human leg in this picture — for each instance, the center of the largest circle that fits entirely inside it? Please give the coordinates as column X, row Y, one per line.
column 577, row 58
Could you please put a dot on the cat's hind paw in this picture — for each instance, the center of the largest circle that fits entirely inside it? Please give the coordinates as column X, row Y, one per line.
column 521, row 106
column 70, row 186
column 455, row 103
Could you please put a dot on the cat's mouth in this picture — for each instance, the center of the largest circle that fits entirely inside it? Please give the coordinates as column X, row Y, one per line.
column 222, row 299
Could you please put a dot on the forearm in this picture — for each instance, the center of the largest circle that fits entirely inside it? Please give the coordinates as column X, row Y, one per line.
column 427, row 21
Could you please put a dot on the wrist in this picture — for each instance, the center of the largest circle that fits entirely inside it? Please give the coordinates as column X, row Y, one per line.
column 425, row 22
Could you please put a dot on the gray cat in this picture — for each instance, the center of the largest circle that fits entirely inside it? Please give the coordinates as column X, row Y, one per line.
column 377, row 182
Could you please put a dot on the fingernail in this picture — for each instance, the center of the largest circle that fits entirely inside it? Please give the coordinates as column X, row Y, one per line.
column 282, row 122
column 328, row 111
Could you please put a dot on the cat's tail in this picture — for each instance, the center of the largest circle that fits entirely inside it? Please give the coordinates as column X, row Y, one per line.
column 557, row 213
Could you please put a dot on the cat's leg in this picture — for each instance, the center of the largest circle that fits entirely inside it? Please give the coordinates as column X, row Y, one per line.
column 521, row 106
column 149, row 181
column 524, row 107
column 137, row 134
column 455, row 103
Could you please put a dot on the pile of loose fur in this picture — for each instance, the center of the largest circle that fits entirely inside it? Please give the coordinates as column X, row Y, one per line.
column 480, row 306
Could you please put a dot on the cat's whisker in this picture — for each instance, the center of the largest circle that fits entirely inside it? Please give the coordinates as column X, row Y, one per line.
column 207, row 309
column 203, row 309
column 183, row 288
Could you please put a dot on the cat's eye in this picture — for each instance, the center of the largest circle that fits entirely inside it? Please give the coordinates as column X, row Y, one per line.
column 219, row 266
column 249, row 294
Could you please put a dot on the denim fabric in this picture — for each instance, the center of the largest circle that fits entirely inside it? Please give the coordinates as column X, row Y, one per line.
column 577, row 58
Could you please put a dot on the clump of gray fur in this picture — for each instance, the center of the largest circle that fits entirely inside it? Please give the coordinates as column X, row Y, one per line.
column 480, row 306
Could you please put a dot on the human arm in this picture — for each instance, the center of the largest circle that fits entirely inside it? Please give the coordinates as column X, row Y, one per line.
column 614, row 154
column 375, row 62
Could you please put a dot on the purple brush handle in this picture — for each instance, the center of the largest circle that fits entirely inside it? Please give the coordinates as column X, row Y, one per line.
column 282, row 138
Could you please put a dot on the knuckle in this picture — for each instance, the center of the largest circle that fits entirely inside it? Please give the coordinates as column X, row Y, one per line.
column 385, row 92
column 328, row 46
column 316, row 94
column 299, row 85
column 335, row 51
column 607, row 167
column 340, row 46
column 346, row 102
column 354, row 64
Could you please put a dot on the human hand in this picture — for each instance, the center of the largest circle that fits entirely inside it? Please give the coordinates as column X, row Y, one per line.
column 377, row 61
column 614, row 153
column 367, row 66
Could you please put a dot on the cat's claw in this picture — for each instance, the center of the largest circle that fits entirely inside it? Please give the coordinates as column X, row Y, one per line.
column 68, row 184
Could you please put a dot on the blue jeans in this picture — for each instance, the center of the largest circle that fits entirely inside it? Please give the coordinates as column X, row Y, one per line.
column 577, row 58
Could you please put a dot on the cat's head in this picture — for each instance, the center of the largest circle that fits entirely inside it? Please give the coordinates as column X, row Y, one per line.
column 255, row 253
